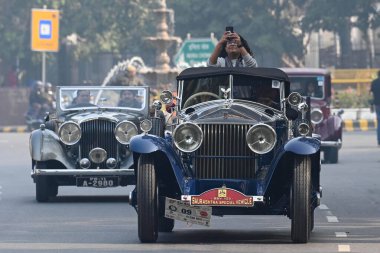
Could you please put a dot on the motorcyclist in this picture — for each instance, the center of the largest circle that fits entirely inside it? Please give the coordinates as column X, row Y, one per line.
column 40, row 102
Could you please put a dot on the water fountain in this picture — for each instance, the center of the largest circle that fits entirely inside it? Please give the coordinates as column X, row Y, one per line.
column 162, row 75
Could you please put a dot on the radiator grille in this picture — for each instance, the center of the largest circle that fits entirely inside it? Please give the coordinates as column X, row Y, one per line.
column 98, row 133
column 224, row 153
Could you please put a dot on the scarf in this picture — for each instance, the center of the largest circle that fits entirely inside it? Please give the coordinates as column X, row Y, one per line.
column 239, row 62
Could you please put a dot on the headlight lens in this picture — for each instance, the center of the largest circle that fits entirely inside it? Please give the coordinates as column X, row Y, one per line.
column 146, row 125
column 124, row 131
column 316, row 116
column 294, row 99
column 69, row 133
column 188, row 137
column 303, row 129
column 261, row 138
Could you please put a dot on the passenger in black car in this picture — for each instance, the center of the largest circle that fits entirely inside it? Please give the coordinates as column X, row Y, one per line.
column 128, row 99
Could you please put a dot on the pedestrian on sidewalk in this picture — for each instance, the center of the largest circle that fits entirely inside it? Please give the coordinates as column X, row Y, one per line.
column 375, row 90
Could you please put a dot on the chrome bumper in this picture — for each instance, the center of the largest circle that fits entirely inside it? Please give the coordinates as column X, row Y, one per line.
column 83, row 172
column 336, row 144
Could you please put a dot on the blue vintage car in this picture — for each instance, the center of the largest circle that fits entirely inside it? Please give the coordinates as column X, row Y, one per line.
column 237, row 142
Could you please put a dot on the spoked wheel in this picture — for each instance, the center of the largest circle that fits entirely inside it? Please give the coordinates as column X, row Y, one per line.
column 46, row 187
column 147, row 200
column 301, row 200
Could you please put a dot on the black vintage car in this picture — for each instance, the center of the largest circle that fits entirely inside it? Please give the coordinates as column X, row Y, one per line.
column 85, row 143
column 237, row 143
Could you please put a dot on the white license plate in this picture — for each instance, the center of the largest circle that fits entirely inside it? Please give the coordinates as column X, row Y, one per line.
column 181, row 210
column 98, row 182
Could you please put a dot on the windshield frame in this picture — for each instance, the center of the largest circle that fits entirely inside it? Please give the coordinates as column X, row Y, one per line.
column 143, row 91
column 230, row 77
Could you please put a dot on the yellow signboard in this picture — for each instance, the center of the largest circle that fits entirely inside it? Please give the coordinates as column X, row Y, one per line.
column 45, row 30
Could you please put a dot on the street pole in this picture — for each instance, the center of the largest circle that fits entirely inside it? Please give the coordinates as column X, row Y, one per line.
column 43, row 67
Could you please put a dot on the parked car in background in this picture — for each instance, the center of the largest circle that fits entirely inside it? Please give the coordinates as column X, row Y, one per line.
column 316, row 83
column 231, row 148
column 85, row 143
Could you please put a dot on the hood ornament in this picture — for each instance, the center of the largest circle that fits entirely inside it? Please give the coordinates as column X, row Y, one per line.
column 225, row 92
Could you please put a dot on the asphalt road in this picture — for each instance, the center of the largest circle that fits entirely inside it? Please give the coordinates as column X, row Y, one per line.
column 101, row 220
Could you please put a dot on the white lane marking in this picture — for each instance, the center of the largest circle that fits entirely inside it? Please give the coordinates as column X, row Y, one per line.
column 340, row 234
column 344, row 248
column 332, row 219
column 323, row 207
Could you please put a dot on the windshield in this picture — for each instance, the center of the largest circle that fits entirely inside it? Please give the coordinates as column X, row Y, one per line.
column 311, row 86
column 256, row 89
column 77, row 98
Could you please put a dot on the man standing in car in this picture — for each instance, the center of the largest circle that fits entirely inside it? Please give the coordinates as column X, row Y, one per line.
column 375, row 89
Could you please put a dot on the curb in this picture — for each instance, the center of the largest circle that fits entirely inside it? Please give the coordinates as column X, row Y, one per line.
column 13, row 129
column 350, row 125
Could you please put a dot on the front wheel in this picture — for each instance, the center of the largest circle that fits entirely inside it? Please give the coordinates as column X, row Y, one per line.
column 46, row 187
column 147, row 200
column 331, row 155
column 301, row 200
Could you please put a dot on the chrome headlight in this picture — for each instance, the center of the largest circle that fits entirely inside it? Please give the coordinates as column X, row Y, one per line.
column 146, row 125
column 124, row 131
column 316, row 116
column 294, row 99
column 188, row 137
column 261, row 138
column 69, row 133
column 303, row 129
column 98, row 155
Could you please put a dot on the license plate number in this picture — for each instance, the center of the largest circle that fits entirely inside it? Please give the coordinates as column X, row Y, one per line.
column 98, row 182
column 181, row 210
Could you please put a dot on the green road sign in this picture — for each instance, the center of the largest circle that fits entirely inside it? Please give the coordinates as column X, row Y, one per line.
column 195, row 51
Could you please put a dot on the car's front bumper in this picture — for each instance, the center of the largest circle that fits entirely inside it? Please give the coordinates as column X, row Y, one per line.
column 334, row 144
column 83, row 172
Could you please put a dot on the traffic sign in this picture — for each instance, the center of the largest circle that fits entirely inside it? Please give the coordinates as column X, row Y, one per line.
column 195, row 51
column 45, row 30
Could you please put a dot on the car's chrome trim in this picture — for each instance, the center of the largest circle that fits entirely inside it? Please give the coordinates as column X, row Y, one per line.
column 337, row 144
column 83, row 172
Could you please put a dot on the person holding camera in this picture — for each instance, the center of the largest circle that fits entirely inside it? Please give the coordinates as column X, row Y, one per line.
column 232, row 50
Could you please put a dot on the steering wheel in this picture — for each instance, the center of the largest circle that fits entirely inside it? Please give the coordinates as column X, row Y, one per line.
column 203, row 93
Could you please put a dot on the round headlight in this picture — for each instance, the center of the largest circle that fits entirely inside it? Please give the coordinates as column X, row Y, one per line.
column 261, row 138
column 124, row 131
column 316, row 116
column 303, row 129
column 294, row 99
column 146, row 125
column 69, row 133
column 98, row 155
column 188, row 137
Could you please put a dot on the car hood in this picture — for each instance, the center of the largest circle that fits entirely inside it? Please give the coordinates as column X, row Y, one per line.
column 232, row 111
column 317, row 103
column 105, row 115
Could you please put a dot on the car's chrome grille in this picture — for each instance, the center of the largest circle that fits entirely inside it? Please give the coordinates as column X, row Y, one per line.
column 224, row 153
column 98, row 133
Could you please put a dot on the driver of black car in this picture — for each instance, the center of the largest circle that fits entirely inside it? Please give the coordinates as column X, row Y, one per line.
column 82, row 99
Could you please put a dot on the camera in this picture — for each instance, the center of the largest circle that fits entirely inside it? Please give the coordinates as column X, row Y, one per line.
column 230, row 29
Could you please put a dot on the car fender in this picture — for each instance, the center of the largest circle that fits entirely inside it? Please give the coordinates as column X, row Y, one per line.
column 147, row 144
column 45, row 145
column 304, row 145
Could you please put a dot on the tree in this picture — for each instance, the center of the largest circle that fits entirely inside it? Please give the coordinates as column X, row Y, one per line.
column 337, row 16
